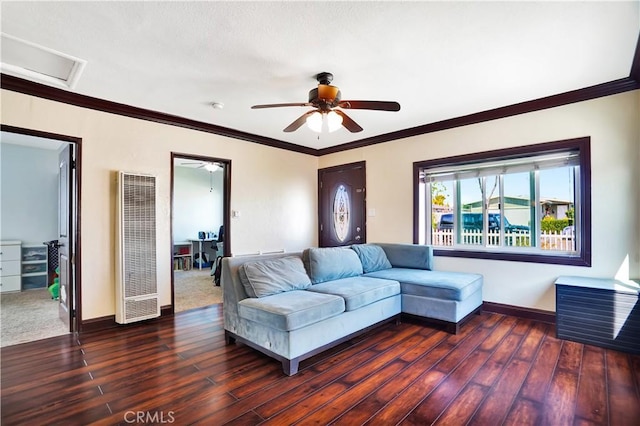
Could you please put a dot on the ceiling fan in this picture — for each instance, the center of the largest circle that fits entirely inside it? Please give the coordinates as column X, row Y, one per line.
column 326, row 99
column 208, row 165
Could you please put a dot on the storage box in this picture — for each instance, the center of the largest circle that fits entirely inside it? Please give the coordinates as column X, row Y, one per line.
column 34, row 281
column 33, row 268
column 30, row 254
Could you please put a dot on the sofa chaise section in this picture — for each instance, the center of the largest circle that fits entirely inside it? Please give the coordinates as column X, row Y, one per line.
column 441, row 297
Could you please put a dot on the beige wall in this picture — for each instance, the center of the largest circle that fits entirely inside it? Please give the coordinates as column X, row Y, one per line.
column 273, row 189
column 612, row 123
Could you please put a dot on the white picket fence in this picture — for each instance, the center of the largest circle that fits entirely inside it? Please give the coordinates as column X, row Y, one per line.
column 557, row 241
column 548, row 240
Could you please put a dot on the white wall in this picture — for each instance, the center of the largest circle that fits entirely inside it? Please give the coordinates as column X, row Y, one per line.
column 29, row 194
column 274, row 189
column 614, row 127
column 196, row 207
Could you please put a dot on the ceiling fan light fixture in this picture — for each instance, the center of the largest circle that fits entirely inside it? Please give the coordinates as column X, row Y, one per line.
column 334, row 121
column 314, row 122
column 320, row 121
column 328, row 93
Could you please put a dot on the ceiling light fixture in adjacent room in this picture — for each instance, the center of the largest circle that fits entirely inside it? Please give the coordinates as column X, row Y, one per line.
column 211, row 167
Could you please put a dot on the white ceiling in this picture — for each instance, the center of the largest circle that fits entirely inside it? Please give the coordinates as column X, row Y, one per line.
column 191, row 163
column 31, row 141
column 439, row 60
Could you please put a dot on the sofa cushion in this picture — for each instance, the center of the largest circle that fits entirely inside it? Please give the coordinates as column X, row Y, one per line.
column 358, row 291
column 372, row 257
column 332, row 263
column 267, row 277
column 440, row 285
column 415, row 256
column 291, row 310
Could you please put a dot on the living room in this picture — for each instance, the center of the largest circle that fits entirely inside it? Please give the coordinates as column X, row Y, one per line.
column 257, row 185
column 275, row 189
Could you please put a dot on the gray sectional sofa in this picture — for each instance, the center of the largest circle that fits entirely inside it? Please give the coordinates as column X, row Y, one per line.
column 292, row 306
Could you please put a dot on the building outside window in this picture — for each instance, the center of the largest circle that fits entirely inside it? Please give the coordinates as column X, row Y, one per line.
column 527, row 203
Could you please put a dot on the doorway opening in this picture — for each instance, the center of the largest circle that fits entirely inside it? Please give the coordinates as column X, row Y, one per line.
column 40, row 235
column 200, row 234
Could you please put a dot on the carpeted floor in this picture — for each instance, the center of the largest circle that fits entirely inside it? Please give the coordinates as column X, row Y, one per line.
column 33, row 315
column 195, row 289
column 29, row 315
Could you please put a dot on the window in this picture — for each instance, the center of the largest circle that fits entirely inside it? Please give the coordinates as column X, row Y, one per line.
column 528, row 203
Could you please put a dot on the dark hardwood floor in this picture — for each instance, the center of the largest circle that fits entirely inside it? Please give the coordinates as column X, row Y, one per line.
column 497, row 370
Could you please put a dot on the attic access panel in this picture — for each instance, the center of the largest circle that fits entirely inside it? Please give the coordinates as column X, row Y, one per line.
column 21, row 58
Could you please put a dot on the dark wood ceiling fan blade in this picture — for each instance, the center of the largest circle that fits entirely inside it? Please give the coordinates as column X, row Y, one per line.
column 375, row 105
column 298, row 104
column 299, row 122
column 348, row 123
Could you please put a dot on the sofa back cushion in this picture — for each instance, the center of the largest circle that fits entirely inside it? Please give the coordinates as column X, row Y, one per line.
column 332, row 263
column 372, row 257
column 415, row 256
column 267, row 277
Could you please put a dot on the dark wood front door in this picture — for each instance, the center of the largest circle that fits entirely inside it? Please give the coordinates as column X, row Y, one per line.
column 341, row 203
column 65, row 240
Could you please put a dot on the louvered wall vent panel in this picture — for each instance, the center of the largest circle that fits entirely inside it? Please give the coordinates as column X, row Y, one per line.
column 137, row 286
column 600, row 312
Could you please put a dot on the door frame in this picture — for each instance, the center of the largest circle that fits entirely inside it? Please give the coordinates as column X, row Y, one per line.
column 226, row 209
column 75, row 322
column 343, row 167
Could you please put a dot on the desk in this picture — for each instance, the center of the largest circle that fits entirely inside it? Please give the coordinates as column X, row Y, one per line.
column 206, row 240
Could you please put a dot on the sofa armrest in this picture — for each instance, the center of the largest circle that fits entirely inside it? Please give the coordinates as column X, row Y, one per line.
column 413, row 256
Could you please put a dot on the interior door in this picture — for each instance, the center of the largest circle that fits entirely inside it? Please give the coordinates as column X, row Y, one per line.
column 65, row 241
column 342, row 204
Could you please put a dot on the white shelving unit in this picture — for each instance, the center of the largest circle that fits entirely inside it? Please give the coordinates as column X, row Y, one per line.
column 35, row 269
column 10, row 255
column 182, row 256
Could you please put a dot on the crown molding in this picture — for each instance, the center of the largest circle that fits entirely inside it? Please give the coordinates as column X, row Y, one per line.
column 580, row 95
column 626, row 84
column 27, row 87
